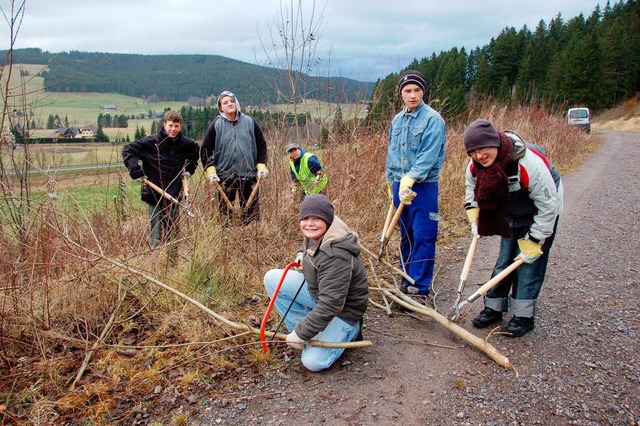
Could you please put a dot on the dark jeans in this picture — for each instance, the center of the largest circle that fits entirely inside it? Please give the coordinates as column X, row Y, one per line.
column 243, row 187
column 524, row 283
column 163, row 221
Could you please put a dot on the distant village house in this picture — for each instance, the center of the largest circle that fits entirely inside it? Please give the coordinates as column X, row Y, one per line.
column 67, row 132
column 74, row 132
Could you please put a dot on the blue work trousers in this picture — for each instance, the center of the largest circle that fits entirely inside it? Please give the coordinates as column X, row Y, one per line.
column 419, row 231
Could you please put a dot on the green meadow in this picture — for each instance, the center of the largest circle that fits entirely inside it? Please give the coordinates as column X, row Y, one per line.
column 82, row 109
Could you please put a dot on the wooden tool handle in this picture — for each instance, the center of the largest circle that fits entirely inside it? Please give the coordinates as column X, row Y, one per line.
column 160, row 190
column 466, row 268
column 387, row 221
column 495, row 280
column 223, row 195
column 253, row 194
column 394, row 222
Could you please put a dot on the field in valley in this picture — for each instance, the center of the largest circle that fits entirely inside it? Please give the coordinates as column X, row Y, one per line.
column 82, row 109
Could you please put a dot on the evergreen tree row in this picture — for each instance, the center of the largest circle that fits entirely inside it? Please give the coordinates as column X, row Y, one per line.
column 592, row 62
column 181, row 77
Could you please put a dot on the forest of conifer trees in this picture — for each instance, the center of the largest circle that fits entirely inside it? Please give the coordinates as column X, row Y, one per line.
column 593, row 62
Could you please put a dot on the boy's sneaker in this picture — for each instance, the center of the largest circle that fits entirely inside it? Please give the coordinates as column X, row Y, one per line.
column 486, row 317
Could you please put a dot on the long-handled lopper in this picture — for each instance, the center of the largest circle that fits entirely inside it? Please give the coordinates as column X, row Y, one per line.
column 252, row 195
column 487, row 286
column 388, row 231
column 464, row 275
column 185, row 191
column 223, row 195
column 168, row 196
column 265, row 318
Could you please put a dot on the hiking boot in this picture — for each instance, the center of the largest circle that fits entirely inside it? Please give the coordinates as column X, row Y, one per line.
column 518, row 326
column 486, row 317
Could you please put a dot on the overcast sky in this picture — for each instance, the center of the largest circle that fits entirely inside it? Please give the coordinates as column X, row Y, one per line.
column 361, row 39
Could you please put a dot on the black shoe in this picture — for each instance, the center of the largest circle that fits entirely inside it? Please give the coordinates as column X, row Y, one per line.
column 486, row 317
column 518, row 326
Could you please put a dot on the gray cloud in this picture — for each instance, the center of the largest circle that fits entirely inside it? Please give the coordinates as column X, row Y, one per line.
column 362, row 39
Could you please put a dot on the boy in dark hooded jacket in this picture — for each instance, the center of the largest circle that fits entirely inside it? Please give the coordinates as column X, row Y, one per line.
column 163, row 159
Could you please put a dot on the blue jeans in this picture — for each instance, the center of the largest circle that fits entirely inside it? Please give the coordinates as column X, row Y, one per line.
column 524, row 283
column 313, row 358
column 163, row 221
column 418, row 233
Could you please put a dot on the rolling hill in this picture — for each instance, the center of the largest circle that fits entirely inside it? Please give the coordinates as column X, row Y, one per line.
column 181, row 77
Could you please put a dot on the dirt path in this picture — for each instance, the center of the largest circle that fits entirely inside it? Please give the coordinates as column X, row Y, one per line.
column 581, row 364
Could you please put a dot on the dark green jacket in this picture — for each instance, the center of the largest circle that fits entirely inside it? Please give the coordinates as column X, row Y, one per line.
column 336, row 279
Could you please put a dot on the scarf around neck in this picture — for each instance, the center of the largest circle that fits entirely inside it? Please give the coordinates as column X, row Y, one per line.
column 492, row 191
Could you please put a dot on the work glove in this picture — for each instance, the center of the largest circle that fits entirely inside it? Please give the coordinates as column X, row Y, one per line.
column 472, row 214
column 405, row 193
column 529, row 251
column 212, row 174
column 298, row 259
column 186, row 174
column 262, row 171
column 294, row 341
column 390, row 191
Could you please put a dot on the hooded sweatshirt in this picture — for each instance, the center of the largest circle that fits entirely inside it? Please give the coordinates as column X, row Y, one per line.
column 336, row 279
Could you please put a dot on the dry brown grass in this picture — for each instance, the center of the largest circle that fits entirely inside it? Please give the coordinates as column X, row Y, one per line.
column 61, row 289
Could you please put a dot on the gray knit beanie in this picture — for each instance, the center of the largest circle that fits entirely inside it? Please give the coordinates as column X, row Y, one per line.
column 411, row 77
column 480, row 134
column 317, row 205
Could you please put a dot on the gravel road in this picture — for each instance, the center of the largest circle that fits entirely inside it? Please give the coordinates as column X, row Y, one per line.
column 581, row 364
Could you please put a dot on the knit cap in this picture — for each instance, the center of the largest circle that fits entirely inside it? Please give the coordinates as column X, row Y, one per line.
column 291, row 146
column 480, row 134
column 411, row 77
column 317, row 205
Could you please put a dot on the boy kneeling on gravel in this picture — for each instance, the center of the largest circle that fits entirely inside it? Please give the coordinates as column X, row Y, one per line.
column 332, row 301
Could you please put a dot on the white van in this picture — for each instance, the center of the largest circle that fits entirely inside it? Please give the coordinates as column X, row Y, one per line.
column 580, row 117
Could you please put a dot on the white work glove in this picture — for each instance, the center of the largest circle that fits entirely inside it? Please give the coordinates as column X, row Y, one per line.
column 262, row 171
column 472, row 214
column 405, row 193
column 186, row 174
column 298, row 259
column 474, row 229
column 294, row 341
column 212, row 175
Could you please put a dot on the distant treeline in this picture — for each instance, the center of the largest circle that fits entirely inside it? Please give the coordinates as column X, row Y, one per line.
column 593, row 62
column 181, row 77
column 197, row 120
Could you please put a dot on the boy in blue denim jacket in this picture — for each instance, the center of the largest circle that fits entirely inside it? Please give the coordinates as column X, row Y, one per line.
column 417, row 140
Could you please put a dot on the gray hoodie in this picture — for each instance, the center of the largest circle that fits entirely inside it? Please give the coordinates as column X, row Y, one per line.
column 336, row 279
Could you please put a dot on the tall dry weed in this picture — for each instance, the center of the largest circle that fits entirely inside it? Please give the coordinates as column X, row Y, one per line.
column 62, row 282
